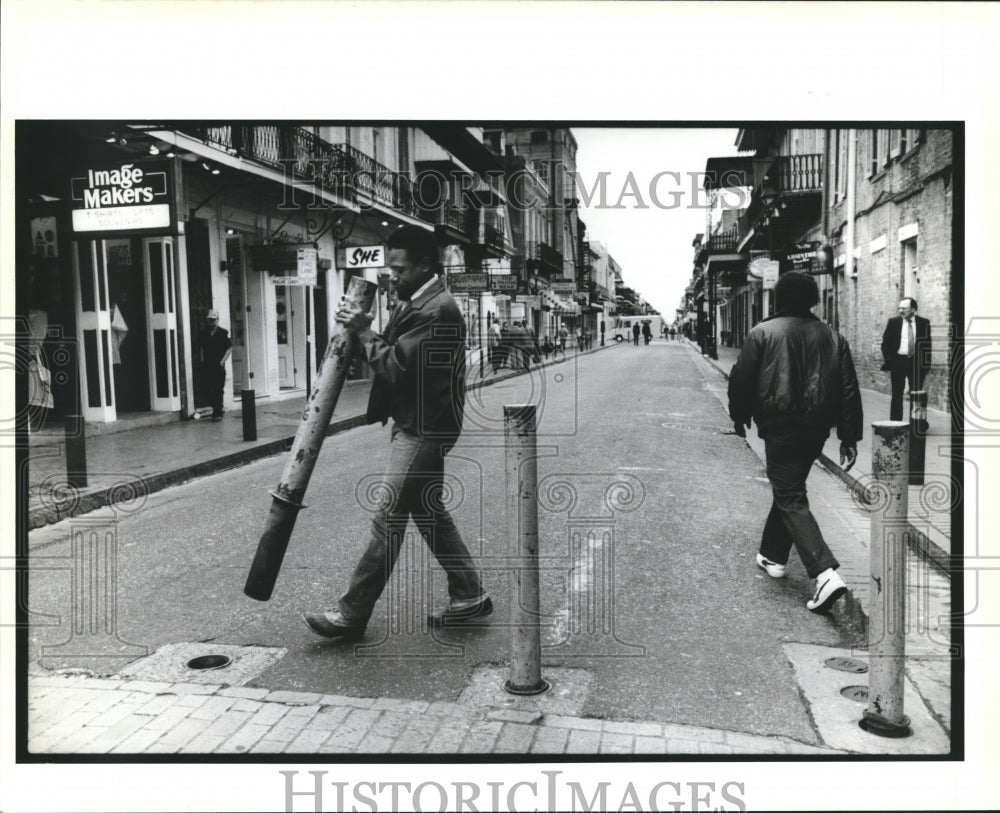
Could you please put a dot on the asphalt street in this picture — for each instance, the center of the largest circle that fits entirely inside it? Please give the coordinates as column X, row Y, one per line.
column 649, row 518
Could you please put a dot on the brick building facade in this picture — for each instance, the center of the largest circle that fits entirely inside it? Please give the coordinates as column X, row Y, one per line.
column 903, row 244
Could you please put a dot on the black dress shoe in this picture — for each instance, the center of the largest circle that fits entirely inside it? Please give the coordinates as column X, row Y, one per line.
column 453, row 616
column 321, row 624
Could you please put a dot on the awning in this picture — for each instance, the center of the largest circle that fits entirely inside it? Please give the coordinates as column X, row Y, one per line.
column 556, row 302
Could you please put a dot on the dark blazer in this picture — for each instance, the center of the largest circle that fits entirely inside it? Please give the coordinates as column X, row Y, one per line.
column 419, row 366
column 891, row 337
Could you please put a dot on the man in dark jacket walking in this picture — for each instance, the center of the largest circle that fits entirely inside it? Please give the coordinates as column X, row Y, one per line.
column 795, row 377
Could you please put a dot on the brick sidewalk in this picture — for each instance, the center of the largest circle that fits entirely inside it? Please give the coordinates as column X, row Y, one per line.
column 84, row 715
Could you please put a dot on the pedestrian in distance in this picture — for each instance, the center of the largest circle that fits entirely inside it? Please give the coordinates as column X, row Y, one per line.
column 215, row 347
column 795, row 378
column 505, row 344
column 493, row 339
column 673, row 333
column 419, row 381
column 563, row 336
column 906, row 350
column 533, row 348
column 635, row 334
column 647, row 332
column 547, row 347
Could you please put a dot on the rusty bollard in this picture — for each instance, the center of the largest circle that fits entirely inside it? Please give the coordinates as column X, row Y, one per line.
column 887, row 617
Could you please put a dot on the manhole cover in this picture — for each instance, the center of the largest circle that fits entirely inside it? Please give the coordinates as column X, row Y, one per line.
column 209, row 662
column 204, row 663
column 857, row 693
column 842, row 664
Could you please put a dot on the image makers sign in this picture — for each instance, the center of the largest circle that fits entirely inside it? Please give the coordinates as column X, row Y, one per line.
column 124, row 198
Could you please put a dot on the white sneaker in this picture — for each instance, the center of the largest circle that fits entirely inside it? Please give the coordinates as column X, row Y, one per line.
column 774, row 570
column 829, row 587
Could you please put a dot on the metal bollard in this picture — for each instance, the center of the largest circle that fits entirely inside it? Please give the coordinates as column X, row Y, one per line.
column 249, row 401
column 287, row 497
column 522, row 541
column 918, row 436
column 76, row 451
column 887, row 619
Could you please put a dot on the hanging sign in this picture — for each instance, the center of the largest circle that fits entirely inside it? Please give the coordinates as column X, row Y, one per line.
column 472, row 282
column 124, row 198
column 351, row 257
column 306, row 261
column 503, row 282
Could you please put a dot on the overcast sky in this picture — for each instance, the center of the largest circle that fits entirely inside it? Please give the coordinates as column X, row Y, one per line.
column 650, row 236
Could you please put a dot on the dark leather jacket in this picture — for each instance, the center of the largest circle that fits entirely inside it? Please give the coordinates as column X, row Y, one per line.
column 419, row 367
column 794, row 369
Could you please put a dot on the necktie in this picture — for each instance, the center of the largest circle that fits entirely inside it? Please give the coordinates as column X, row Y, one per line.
column 910, row 344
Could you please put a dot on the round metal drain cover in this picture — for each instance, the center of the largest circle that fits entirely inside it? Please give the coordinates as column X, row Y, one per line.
column 203, row 662
column 842, row 664
column 856, row 693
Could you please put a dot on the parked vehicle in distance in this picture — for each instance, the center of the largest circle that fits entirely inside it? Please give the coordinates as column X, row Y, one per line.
column 621, row 330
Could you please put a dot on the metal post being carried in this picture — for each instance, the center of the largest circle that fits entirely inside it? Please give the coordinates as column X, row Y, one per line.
column 522, row 542
column 918, row 436
column 309, row 438
column 887, row 619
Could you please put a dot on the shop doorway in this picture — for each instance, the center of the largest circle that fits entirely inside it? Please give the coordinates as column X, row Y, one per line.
column 199, row 272
column 161, row 323
column 284, row 326
column 238, row 315
column 128, row 318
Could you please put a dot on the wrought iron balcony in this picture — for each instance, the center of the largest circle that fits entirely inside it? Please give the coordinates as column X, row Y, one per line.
column 274, row 146
column 453, row 217
column 797, row 173
column 493, row 238
column 547, row 260
column 342, row 168
column 724, row 242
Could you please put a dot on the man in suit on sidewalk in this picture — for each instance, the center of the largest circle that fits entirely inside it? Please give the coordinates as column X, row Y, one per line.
column 906, row 350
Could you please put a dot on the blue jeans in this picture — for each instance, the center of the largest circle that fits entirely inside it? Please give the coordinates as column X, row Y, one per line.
column 790, row 454
column 411, row 487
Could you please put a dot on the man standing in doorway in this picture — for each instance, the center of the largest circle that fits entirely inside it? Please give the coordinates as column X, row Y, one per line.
column 906, row 348
column 795, row 377
column 215, row 347
column 419, row 382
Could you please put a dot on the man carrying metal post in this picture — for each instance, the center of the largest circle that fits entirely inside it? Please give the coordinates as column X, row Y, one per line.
column 419, row 382
column 795, row 377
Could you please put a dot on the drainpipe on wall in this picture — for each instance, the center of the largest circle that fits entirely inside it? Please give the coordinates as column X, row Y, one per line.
column 849, row 271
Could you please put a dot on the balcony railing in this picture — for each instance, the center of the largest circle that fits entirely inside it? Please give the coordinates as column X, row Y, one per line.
column 493, row 238
column 548, row 259
column 799, row 173
column 453, row 217
column 343, row 169
column 724, row 242
column 313, row 158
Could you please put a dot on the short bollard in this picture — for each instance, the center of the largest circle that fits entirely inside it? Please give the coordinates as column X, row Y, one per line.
column 887, row 617
column 918, row 437
column 249, row 401
column 522, row 542
column 76, row 451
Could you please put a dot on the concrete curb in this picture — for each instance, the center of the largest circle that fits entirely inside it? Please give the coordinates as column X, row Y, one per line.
column 918, row 541
column 142, row 487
